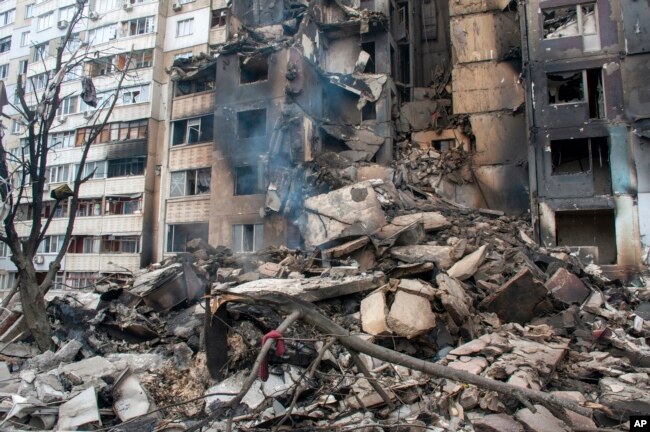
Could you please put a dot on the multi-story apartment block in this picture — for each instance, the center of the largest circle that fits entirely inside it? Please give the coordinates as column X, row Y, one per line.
column 113, row 230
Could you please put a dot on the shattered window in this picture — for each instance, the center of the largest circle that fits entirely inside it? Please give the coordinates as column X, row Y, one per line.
column 219, row 18
column 178, row 235
column 193, row 131
column 570, row 21
column 565, row 87
column 253, row 69
column 248, row 238
column 191, row 182
column 251, row 123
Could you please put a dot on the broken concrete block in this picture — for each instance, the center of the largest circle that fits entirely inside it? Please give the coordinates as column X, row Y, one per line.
column 431, row 221
column 410, row 315
column 131, row 400
column 466, row 267
column 346, row 248
column 88, row 369
column 567, row 287
column 578, row 421
column 541, row 421
column 313, row 289
column 440, row 255
column 415, row 286
column 347, row 211
column 373, row 313
column 623, row 399
column 270, row 270
column 456, row 308
column 471, row 347
column 78, row 411
column 68, row 352
column 497, row 423
column 517, row 299
column 49, row 388
column 473, row 365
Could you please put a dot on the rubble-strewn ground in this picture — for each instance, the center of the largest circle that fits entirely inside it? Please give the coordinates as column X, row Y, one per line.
column 463, row 288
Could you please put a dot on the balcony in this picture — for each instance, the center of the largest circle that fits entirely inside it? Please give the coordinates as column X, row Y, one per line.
column 190, row 156
column 112, row 186
column 99, row 225
column 192, row 105
column 218, row 35
column 100, row 262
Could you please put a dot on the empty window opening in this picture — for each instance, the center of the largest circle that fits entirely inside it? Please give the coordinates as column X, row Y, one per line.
column 405, row 63
column 583, row 156
column 565, row 87
column 369, row 111
column 193, row 131
column 369, row 47
column 178, row 235
column 402, row 24
column 247, row 181
column 251, row 123
column 201, row 83
column 443, row 145
column 588, row 228
column 253, row 69
column 570, row 21
column 248, row 238
column 577, row 87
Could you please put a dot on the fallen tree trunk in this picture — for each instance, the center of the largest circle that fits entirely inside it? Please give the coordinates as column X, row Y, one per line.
column 310, row 315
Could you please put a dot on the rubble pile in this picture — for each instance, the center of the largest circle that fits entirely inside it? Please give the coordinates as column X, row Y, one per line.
column 466, row 289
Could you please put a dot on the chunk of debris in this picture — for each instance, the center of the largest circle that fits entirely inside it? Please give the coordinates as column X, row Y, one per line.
column 374, row 312
column 439, row 255
column 410, row 315
column 466, row 267
column 79, row 411
column 541, row 421
column 567, row 287
column 518, row 299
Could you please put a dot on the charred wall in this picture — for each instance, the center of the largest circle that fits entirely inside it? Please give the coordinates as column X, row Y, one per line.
column 582, row 121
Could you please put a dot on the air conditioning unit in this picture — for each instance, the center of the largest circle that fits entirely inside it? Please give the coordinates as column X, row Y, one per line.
column 127, row 6
column 94, row 16
column 88, row 114
column 62, row 118
column 177, row 7
column 63, row 24
column 38, row 259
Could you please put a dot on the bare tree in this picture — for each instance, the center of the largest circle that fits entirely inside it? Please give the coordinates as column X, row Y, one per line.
column 23, row 176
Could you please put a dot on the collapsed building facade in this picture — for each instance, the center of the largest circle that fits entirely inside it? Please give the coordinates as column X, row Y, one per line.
column 328, row 92
column 445, row 96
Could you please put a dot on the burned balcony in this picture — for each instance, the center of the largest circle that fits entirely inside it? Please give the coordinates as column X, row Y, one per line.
column 578, row 87
column 253, row 69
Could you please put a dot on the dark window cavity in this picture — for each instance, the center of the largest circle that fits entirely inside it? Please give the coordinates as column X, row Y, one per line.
column 251, row 123
column 247, row 181
column 594, row 230
column 253, row 69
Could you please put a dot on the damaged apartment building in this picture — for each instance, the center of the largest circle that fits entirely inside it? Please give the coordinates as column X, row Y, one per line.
column 532, row 107
column 307, row 93
column 588, row 107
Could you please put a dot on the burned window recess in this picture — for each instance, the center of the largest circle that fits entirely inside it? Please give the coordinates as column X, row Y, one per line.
column 193, row 131
column 585, row 86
